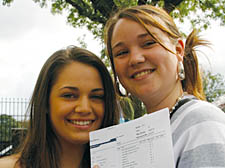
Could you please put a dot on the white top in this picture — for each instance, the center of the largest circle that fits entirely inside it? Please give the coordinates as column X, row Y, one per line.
column 198, row 132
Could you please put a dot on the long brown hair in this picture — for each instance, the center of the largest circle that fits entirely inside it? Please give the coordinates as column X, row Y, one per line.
column 157, row 17
column 41, row 147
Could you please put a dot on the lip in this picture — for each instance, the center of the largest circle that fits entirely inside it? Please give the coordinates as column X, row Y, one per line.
column 81, row 123
column 142, row 73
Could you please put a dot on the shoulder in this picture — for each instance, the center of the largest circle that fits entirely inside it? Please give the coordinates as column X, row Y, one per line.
column 203, row 111
column 197, row 111
column 198, row 131
column 9, row 161
column 198, row 119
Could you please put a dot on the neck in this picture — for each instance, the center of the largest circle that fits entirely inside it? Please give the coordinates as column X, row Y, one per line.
column 72, row 155
column 163, row 100
column 177, row 101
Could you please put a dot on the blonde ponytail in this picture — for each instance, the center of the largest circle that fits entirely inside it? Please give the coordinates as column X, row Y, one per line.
column 193, row 80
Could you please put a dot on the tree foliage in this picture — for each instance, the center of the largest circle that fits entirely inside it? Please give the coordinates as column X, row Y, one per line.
column 214, row 86
column 132, row 107
column 94, row 13
column 7, row 123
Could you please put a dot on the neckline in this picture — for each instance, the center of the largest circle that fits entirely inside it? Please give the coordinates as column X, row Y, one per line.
column 177, row 102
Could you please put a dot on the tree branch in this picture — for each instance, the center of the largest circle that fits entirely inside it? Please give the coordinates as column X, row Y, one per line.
column 154, row 2
column 142, row 2
column 170, row 5
column 104, row 7
column 85, row 10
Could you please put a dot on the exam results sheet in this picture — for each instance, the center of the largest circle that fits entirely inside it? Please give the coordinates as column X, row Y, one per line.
column 145, row 142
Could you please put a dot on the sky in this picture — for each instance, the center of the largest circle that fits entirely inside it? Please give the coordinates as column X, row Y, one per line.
column 29, row 34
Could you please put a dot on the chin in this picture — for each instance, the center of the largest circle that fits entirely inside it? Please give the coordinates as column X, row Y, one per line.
column 142, row 92
column 81, row 141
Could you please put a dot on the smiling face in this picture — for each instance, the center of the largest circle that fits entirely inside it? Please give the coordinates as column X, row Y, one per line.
column 76, row 103
column 144, row 67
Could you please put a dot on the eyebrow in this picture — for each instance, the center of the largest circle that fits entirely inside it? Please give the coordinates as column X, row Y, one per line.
column 143, row 35
column 77, row 89
column 69, row 87
column 97, row 90
column 117, row 45
column 139, row 36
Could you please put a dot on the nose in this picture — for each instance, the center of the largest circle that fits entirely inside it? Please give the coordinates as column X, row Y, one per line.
column 83, row 106
column 136, row 57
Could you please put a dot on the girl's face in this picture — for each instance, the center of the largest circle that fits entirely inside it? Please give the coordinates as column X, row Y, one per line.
column 144, row 67
column 76, row 103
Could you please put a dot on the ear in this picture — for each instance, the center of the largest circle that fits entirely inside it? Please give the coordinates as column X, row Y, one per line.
column 180, row 50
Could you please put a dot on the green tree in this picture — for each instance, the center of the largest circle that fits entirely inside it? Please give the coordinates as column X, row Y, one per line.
column 138, row 106
column 214, row 85
column 132, row 107
column 7, row 123
column 220, row 102
column 94, row 13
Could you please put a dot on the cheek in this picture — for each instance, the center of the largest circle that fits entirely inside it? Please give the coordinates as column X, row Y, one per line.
column 54, row 120
column 54, row 109
column 167, row 61
column 120, row 66
column 172, row 63
column 100, row 112
column 59, row 110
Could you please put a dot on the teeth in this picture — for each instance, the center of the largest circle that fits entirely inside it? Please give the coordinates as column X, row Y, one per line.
column 142, row 73
column 80, row 122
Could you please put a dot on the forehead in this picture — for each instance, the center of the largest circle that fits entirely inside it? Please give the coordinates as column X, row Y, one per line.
column 126, row 28
column 79, row 74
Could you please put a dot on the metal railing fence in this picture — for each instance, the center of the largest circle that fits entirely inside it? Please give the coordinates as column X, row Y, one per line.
column 12, row 118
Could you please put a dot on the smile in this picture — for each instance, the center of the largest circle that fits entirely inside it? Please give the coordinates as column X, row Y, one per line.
column 82, row 123
column 140, row 74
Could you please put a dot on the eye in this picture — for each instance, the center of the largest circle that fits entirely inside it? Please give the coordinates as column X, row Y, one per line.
column 148, row 43
column 98, row 96
column 69, row 95
column 121, row 53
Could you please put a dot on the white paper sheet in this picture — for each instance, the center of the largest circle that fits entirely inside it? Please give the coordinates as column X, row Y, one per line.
column 145, row 142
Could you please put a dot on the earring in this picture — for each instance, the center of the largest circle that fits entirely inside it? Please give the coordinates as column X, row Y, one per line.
column 181, row 73
column 120, row 89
